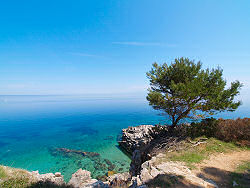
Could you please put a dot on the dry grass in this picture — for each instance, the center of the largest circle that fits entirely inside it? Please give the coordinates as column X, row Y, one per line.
column 11, row 177
column 191, row 154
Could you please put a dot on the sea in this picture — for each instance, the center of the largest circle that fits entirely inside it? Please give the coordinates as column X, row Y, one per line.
column 62, row 133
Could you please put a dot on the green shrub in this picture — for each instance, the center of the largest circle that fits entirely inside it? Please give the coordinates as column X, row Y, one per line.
column 207, row 127
column 17, row 182
column 2, row 173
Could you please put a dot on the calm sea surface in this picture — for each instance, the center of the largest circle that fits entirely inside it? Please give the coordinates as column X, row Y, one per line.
column 34, row 128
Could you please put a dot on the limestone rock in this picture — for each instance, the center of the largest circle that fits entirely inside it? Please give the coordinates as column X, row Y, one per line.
column 179, row 169
column 56, row 178
column 145, row 175
column 134, row 138
column 81, row 178
column 119, row 180
column 58, row 174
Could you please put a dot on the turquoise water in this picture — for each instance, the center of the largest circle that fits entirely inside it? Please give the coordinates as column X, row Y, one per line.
column 32, row 128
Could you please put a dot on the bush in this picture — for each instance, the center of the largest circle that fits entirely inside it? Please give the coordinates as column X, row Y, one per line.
column 207, row 127
column 230, row 130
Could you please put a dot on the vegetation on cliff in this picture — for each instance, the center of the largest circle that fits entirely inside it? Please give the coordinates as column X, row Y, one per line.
column 19, row 178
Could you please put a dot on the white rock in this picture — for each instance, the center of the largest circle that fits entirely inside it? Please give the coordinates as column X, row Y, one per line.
column 58, row 174
column 154, row 172
column 145, row 175
column 235, row 183
column 48, row 177
column 82, row 179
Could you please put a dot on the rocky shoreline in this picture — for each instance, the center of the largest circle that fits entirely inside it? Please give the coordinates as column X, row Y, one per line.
column 134, row 140
column 144, row 143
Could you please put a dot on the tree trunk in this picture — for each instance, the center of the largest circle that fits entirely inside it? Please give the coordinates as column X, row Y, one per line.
column 174, row 124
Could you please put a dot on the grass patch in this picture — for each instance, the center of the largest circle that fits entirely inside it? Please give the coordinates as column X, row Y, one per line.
column 13, row 178
column 241, row 176
column 190, row 157
column 215, row 145
column 17, row 182
column 244, row 168
column 18, row 178
column 2, row 173
column 195, row 154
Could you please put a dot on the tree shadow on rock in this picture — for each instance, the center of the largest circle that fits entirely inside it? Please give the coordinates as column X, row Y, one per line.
column 48, row 184
column 170, row 180
column 224, row 178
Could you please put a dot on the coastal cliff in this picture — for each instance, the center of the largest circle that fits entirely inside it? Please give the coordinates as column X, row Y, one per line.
column 160, row 158
column 169, row 158
column 144, row 143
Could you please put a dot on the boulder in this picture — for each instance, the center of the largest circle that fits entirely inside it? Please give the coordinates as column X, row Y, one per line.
column 119, row 180
column 135, row 138
column 154, row 167
column 82, row 179
column 56, row 178
column 58, row 174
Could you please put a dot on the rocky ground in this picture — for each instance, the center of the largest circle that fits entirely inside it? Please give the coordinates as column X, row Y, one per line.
column 219, row 167
column 214, row 171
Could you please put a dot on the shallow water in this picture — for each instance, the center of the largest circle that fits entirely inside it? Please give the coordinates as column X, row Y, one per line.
column 32, row 128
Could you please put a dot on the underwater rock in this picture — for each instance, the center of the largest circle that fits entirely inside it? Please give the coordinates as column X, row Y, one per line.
column 108, row 162
column 84, row 130
column 78, row 152
column 98, row 164
column 111, row 166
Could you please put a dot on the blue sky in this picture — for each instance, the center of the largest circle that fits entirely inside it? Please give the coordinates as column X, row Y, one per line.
column 102, row 47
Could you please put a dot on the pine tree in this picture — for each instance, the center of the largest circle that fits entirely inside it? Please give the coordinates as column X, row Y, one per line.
column 185, row 90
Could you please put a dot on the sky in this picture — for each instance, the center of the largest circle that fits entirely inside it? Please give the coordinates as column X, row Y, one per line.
column 106, row 47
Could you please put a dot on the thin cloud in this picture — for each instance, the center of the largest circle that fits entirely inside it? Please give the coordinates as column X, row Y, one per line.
column 84, row 54
column 144, row 44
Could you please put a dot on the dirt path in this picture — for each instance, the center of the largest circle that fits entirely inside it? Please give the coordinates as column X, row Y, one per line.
column 219, row 167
